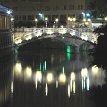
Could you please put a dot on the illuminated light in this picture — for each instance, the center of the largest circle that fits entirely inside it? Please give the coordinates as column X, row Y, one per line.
column 45, row 66
column 88, row 14
column 36, row 20
column 73, row 33
column 89, row 20
column 49, row 31
column 12, row 87
column 62, row 78
column 41, row 16
column 86, row 23
column 9, row 12
column 56, row 20
column 84, row 72
column 88, row 84
column 46, row 89
column 39, row 76
column 62, row 26
column 63, row 69
column 12, row 19
column 95, row 70
column 68, row 18
column 18, row 41
column 68, row 56
column 68, row 49
column 84, row 19
column 28, row 72
column 72, row 76
column 62, row 30
column 105, row 18
column 74, row 19
column 56, row 84
column 46, row 19
column 28, row 37
column 83, row 14
column 71, row 19
column 39, row 33
column 68, row 90
column 50, row 77
column 18, row 68
column 36, row 83
column 73, row 86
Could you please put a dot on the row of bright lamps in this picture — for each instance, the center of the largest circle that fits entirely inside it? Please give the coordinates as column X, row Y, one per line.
column 56, row 20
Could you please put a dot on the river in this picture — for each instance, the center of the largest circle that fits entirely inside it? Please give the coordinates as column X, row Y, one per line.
column 51, row 77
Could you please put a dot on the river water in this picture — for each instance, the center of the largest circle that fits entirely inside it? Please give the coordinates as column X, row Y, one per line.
column 52, row 77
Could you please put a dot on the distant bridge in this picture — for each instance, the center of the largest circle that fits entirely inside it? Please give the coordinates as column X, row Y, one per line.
column 76, row 36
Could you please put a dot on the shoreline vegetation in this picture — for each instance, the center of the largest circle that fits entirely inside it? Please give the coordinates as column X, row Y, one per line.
column 100, row 54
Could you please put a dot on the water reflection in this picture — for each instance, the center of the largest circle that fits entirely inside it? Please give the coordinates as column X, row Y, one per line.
column 74, row 74
column 87, row 77
column 6, row 84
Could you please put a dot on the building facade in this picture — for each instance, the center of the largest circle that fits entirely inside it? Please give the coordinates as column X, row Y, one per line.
column 28, row 10
column 6, row 39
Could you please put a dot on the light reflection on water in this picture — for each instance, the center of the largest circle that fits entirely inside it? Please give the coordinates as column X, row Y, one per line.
column 87, row 77
column 49, row 80
column 74, row 73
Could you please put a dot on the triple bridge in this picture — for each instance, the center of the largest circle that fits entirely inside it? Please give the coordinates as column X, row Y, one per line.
column 75, row 36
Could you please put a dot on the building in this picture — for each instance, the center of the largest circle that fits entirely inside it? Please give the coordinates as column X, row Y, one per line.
column 25, row 11
column 6, row 39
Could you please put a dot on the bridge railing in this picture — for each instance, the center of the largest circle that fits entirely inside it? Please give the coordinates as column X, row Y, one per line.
column 28, row 33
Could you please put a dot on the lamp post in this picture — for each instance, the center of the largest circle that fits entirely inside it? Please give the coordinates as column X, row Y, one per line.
column 36, row 21
column 46, row 20
column 56, row 21
column 105, row 19
column 12, row 23
column 72, row 20
column 68, row 22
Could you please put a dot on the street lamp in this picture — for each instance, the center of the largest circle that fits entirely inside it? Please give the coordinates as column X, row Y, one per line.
column 68, row 22
column 56, row 20
column 73, row 19
column 36, row 20
column 46, row 20
column 12, row 23
column 105, row 19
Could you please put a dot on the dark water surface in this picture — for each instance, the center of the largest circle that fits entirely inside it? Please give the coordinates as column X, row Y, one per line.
column 52, row 78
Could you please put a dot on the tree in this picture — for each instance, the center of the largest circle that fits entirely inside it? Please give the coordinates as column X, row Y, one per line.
column 101, row 48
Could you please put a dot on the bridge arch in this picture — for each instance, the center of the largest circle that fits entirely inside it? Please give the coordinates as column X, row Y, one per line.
column 68, row 36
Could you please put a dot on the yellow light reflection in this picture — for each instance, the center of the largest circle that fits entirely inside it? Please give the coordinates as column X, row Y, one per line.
column 62, row 78
column 39, row 76
column 68, row 90
column 18, row 68
column 12, row 87
column 74, row 87
column 28, row 72
column 84, row 72
column 50, row 78
column 56, row 84
column 95, row 70
column 46, row 89
column 72, row 76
